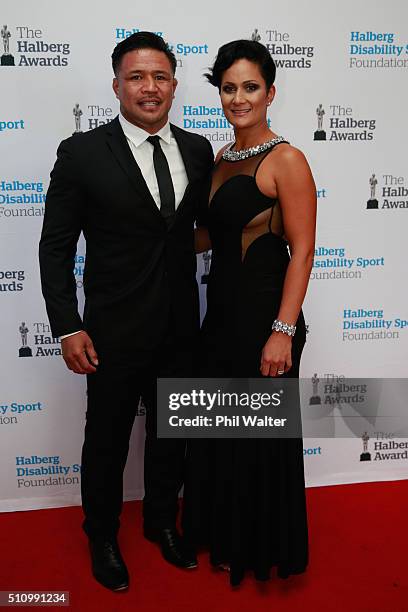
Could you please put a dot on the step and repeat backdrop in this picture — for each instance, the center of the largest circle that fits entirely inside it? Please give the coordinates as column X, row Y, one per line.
column 341, row 98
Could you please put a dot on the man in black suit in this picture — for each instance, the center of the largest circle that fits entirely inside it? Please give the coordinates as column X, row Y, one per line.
column 132, row 187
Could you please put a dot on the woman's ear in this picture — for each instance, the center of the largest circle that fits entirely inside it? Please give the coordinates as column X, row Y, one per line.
column 271, row 94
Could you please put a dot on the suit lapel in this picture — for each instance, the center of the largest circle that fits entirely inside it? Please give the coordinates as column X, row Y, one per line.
column 118, row 144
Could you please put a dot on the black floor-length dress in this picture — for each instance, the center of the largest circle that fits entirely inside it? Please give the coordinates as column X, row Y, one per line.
column 244, row 499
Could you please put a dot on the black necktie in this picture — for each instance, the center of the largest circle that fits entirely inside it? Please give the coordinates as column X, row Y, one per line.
column 165, row 184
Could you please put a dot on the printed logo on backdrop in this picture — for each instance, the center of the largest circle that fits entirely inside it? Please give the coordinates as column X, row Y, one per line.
column 207, row 264
column 181, row 49
column 312, row 451
column 7, row 125
column 383, row 447
column 372, row 202
column 36, row 340
column 15, row 412
column 342, row 125
column 337, row 263
column 32, row 48
column 209, row 118
column 320, row 134
column 91, row 117
column 285, row 50
column 367, row 324
column 6, row 59
column 323, row 395
column 388, row 192
column 315, row 399
column 357, row 400
column 376, row 50
column 20, row 197
column 79, row 269
column 332, row 389
column 365, row 455
column 43, row 471
column 141, row 408
column 12, row 281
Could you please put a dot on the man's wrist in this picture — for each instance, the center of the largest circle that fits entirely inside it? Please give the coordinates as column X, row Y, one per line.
column 71, row 334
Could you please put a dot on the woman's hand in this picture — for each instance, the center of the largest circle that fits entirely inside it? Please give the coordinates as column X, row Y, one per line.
column 276, row 357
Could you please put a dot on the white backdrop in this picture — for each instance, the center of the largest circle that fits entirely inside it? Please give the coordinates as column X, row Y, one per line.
column 350, row 57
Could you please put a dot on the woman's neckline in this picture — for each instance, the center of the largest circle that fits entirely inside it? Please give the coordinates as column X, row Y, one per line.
column 234, row 156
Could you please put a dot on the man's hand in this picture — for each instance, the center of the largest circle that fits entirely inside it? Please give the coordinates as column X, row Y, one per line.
column 79, row 353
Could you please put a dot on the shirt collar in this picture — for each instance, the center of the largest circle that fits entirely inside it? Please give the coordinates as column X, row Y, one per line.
column 138, row 136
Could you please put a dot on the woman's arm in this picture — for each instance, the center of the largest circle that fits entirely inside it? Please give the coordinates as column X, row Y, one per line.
column 202, row 240
column 296, row 192
column 297, row 196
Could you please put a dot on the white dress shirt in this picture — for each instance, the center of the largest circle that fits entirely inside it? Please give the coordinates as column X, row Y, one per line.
column 143, row 153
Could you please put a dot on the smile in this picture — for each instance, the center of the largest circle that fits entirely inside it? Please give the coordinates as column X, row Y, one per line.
column 241, row 111
column 149, row 103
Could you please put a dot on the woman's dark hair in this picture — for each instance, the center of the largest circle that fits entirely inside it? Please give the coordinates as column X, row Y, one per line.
column 250, row 50
column 142, row 40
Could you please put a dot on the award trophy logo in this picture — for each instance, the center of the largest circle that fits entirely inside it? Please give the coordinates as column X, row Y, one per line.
column 372, row 203
column 255, row 36
column 6, row 59
column 76, row 111
column 365, row 455
column 315, row 399
column 320, row 134
column 207, row 261
column 24, row 350
column 141, row 408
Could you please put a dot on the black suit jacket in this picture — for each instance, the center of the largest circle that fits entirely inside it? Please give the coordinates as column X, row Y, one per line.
column 139, row 276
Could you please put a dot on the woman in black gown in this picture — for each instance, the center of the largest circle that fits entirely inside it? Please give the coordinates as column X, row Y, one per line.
column 244, row 498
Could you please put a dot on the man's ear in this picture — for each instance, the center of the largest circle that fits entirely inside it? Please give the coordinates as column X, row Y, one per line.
column 175, row 83
column 115, row 86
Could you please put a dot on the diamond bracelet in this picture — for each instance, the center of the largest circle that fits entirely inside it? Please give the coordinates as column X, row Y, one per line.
column 285, row 328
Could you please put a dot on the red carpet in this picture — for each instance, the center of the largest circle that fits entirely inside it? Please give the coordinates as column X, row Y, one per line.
column 358, row 561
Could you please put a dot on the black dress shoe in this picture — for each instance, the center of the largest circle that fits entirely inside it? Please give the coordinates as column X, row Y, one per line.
column 108, row 566
column 173, row 548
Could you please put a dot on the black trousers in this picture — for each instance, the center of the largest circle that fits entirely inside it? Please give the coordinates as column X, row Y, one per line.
column 113, row 396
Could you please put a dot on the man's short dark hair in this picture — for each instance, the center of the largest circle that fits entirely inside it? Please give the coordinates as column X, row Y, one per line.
column 250, row 50
column 142, row 40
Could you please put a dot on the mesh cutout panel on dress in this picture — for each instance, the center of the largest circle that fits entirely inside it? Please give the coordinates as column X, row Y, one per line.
column 265, row 222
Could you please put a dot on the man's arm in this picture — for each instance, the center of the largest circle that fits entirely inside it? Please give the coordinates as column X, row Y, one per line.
column 61, row 229
column 201, row 237
column 201, row 205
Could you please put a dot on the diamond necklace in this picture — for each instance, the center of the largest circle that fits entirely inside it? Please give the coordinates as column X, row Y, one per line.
column 229, row 155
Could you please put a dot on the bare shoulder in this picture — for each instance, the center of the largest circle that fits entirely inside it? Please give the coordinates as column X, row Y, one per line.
column 291, row 164
column 285, row 164
column 288, row 156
